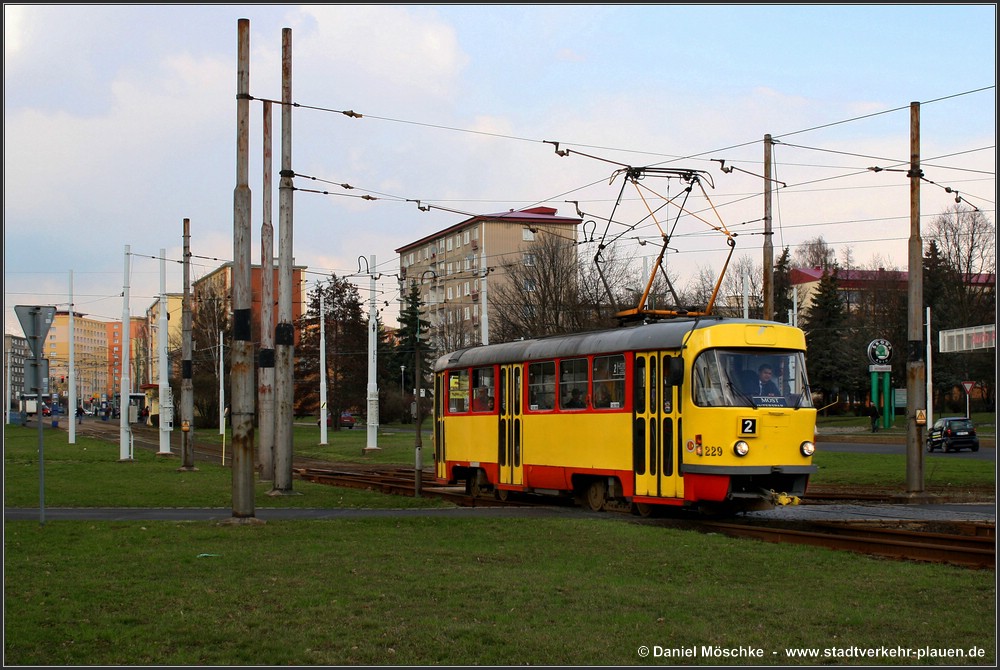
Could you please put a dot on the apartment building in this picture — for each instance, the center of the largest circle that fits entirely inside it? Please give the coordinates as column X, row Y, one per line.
column 15, row 351
column 218, row 284
column 455, row 268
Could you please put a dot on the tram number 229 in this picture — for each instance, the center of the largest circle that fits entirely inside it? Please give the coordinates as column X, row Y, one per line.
column 748, row 426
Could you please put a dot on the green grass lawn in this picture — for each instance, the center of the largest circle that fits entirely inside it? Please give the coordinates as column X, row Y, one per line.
column 437, row 590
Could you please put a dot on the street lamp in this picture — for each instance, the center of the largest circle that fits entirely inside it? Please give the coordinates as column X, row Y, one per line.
column 402, row 384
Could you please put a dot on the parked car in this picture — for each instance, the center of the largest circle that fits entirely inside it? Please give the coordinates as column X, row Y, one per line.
column 46, row 410
column 953, row 434
column 346, row 420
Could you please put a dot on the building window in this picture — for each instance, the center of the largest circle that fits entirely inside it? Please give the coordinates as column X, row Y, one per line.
column 529, row 260
column 527, row 234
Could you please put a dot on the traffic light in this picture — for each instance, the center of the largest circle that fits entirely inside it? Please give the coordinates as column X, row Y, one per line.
column 62, row 380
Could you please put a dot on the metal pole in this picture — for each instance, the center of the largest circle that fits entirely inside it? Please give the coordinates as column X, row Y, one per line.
column 418, row 443
column 162, row 342
column 187, row 368
column 915, row 375
column 125, row 431
column 71, row 405
column 323, row 410
column 930, row 384
column 372, row 442
column 221, row 374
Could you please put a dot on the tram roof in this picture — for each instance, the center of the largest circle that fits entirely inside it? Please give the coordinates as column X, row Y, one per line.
column 654, row 335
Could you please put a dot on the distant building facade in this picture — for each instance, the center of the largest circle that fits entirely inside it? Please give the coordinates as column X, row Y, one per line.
column 456, row 268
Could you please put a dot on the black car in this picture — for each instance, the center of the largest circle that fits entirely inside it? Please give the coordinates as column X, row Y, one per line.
column 952, row 434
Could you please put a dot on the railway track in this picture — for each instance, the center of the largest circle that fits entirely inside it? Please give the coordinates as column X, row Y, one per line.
column 963, row 544
column 968, row 545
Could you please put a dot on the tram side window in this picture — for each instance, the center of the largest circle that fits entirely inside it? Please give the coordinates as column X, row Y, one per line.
column 542, row 385
column 573, row 384
column 458, row 391
column 483, row 385
column 609, row 381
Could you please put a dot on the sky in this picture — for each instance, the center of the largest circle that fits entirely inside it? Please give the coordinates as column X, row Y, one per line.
column 121, row 121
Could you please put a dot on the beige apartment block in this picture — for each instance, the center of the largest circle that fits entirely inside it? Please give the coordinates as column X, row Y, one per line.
column 456, row 267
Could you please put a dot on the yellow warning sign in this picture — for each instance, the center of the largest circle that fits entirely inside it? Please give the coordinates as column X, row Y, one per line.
column 921, row 417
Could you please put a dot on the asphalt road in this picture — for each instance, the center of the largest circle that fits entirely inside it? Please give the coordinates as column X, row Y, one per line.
column 857, row 447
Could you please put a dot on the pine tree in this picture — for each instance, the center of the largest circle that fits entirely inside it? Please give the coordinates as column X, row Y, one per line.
column 824, row 328
column 346, row 335
column 411, row 327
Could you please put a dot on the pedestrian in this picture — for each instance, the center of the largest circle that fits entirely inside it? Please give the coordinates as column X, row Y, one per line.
column 79, row 414
column 874, row 414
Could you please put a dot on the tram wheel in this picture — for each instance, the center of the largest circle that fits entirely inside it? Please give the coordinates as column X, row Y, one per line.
column 597, row 495
column 642, row 509
column 501, row 494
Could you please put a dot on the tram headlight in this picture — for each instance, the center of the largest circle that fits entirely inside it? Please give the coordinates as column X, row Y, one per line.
column 741, row 448
column 807, row 448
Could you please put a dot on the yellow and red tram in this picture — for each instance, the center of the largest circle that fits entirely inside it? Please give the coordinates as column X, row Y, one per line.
column 663, row 413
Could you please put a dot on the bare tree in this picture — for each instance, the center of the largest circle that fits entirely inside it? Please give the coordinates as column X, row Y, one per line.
column 815, row 253
column 732, row 289
column 698, row 291
column 967, row 240
column 538, row 293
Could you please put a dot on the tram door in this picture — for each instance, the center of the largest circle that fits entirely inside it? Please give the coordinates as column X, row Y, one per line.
column 510, row 426
column 654, row 428
column 440, row 460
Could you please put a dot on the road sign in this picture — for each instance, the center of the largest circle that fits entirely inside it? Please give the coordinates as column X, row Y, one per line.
column 36, row 375
column 968, row 386
column 35, row 322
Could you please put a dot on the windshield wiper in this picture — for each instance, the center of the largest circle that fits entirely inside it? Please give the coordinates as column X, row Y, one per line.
column 741, row 393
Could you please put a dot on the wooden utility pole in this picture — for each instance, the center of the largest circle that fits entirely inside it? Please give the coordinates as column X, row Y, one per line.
column 284, row 335
column 242, row 368
column 265, row 393
column 768, row 288
column 915, row 373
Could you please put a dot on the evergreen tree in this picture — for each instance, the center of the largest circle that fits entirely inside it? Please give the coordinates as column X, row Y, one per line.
column 824, row 328
column 346, row 335
column 411, row 327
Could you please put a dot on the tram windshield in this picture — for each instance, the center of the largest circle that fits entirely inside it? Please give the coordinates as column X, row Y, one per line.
column 751, row 378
